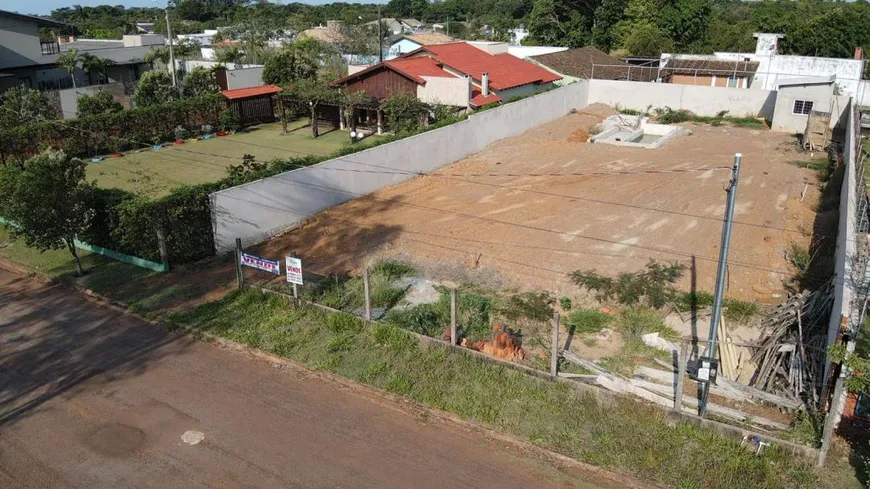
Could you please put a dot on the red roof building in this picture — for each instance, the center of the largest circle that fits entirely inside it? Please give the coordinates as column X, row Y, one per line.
column 457, row 74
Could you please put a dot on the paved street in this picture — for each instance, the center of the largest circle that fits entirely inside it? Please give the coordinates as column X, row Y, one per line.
column 91, row 398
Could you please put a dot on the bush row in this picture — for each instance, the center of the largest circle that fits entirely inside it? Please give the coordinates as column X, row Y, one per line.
column 111, row 133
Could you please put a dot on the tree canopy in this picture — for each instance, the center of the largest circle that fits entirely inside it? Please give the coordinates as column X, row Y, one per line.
column 811, row 27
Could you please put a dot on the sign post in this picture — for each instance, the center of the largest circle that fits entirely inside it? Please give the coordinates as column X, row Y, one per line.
column 240, row 274
column 293, row 268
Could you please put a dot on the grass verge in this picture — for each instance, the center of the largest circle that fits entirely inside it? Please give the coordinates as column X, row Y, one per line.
column 627, row 436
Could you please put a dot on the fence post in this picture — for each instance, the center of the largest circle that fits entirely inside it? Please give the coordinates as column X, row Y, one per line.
column 161, row 244
column 240, row 274
column 295, row 287
column 453, row 337
column 681, row 373
column 367, row 294
column 554, row 348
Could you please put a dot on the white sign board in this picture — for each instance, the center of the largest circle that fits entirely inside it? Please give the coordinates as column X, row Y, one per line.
column 294, row 270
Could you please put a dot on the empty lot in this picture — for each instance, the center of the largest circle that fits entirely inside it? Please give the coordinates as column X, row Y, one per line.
column 519, row 207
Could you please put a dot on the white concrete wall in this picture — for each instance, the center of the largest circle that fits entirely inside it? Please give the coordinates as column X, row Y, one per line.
column 259, row 210
column 847, row 71
column 402, row 46
column 244, row 78
column 783, row 118
column 703, row 101
column 446, row 91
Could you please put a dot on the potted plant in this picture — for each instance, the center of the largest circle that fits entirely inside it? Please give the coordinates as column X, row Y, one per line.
column 180, row 133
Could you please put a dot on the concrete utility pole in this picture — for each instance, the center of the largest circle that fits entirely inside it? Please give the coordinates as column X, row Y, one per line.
column 171, row 51
column 380, row 38
column 710, row 353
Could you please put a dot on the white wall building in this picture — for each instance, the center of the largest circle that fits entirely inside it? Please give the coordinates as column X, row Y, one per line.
column 773, row 67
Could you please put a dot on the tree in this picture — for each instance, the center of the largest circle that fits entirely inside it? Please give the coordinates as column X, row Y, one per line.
column 647, row 40
column 404, row 113
column 607, row 15
column 69, row 60
column 200, row 81
column 560, row 23
column 289, row 65
column 23, row 105
column 101, row 102
column 229, row 54
column 155, row 87
column 46, row 201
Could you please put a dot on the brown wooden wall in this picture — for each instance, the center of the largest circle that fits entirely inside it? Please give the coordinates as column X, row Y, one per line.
column 383, row 83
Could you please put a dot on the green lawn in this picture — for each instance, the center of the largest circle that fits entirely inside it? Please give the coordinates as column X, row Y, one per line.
column 155, row 173
column 101, row 273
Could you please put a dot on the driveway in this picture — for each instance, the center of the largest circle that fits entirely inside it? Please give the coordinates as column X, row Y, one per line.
column 93, row 398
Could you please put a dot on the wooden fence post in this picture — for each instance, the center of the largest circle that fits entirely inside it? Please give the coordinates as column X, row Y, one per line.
column 453, row 338
column 554, row 348
column 161, row 244
column 240, row 274
column 295, row 287
column 367, row 294
column 681, row 373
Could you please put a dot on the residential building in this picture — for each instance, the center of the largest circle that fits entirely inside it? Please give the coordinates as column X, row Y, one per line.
column 773, row 68
column 411, row 42
column 798, row 98
column 456, row 74
column 590, row 62
column 331, row 33
column 522, row 52
column 26, row 59
column 398, row 26
column 708, row 72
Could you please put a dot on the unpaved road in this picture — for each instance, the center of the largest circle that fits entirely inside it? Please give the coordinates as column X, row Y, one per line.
column 92, row 398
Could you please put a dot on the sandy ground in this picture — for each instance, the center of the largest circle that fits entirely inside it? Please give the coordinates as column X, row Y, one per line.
column 534, row 230
column 93, row 398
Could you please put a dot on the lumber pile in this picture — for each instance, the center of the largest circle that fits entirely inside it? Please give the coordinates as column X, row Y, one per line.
column 790, row 356
column 817, row 133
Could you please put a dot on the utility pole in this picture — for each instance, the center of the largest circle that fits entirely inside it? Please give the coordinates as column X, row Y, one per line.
column 707, row 365
column 171, row 51
column 380, row 38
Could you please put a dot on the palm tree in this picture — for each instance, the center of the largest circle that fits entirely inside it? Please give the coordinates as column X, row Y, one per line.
column 69, row 60
column 94, row 64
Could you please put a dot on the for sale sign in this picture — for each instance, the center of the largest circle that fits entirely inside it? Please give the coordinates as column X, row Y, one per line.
column 294, row 270
column 271, row 266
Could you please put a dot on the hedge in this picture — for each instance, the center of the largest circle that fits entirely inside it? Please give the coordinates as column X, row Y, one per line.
column 111, row 133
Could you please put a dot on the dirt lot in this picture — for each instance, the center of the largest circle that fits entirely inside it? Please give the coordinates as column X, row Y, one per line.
column 536, row 229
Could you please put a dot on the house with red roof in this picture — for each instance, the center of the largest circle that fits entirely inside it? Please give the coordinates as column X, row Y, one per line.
column 456, row 74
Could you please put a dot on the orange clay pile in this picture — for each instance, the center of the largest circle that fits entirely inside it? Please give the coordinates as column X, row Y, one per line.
column 500, row 346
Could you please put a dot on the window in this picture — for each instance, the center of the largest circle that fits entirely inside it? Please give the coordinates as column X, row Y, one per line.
column 733, row 82
column 802, row 107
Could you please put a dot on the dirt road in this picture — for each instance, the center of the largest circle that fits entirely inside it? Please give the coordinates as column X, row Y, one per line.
column 93, row 398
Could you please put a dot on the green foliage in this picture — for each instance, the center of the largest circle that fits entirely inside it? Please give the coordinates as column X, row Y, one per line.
column 199, row 82
column 154, row 88
column 69, row 60
column 739, row 311
column 587, row 321
column 23, row 105
column 638, row 321
column 99, row 103
column 647, row 40
column 392, row 269
column 47, row 201
column 404, row 113
column 689, row 301
column 289, row 65
column 654, row 286
column 857, row 366
column 531, row 305
column 98, row 134
column 565, row 303
column 667, row 115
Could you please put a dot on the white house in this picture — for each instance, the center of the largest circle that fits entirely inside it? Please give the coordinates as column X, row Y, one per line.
column 774, row 68
column 413, row 42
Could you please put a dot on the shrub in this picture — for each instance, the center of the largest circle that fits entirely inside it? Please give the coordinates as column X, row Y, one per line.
column 101, row 102
column 154, row 88
column 587, row 321
column 653, row 286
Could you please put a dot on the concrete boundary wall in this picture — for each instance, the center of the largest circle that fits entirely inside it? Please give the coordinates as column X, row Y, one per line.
column 703, row 101
column 264, row 208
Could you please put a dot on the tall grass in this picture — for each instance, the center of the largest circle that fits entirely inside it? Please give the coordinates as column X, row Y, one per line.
column 627, row 436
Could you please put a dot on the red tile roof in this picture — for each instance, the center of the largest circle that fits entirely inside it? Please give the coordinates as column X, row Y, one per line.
column 478, row 100
column 240, row 93
column 505, row 70
column 417, row 68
